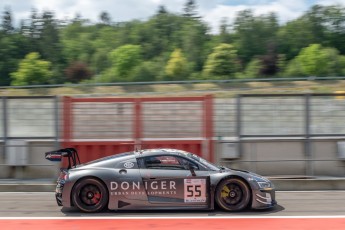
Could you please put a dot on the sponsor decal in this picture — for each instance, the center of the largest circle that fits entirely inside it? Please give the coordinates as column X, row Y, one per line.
column 128, row 165
column 152, row 188
column 187, row 190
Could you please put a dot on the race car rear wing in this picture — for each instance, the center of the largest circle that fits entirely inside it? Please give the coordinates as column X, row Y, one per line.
column 70, row 153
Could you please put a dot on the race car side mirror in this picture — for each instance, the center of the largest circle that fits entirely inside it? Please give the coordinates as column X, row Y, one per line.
column 192, row 168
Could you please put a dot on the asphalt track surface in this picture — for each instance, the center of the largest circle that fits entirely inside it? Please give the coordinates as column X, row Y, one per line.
column 295, row 210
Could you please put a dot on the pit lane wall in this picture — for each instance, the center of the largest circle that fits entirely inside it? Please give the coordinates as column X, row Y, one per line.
column 288, row 134
column 284, row 157
column 266, row 157
column 294, row 135
column 31, row 164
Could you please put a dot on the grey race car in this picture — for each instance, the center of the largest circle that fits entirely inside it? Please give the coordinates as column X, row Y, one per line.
column 157, row 179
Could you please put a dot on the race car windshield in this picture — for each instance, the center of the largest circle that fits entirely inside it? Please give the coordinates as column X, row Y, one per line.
column 204, row 162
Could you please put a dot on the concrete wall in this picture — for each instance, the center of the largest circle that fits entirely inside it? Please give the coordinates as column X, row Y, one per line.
column 287, row 157
column 323, row 151
column 37, row 166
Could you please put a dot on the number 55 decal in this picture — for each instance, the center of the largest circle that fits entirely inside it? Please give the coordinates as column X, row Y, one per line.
column 194, row 190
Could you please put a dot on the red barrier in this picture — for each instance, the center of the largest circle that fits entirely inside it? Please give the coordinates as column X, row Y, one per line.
column 178, row 223
column 133, row 117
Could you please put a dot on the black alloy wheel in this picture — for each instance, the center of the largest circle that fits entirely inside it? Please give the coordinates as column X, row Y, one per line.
column 90, row 195
column 232, row 194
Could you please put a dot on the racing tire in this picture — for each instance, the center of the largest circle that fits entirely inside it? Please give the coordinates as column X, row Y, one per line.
column 90, row 195
column 232, row 194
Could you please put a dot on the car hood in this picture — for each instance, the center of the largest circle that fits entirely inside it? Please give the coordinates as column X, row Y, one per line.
column 248, row 173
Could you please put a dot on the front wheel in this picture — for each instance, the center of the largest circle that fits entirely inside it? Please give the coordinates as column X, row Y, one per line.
column 90, row 195
column 232, row 194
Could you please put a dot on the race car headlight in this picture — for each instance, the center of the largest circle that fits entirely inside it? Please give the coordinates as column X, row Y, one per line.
column 264, row 184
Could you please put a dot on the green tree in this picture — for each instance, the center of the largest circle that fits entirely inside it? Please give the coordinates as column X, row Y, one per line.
column 258, row 40
column 294, row 69
column 190, row 9
column 32, row 71
column 333, row 22
column 124, row 59
column 322, row 25
column 177, row 66
column 315, row 60
column 105, row 18
column 158, row 35
column 13, row 48
column 49, row 40
column 194, row 35
column 342, row 65
column 77, row 40
column 294, row 36
column 222, row 63
column 162, row 10
column 50, row 46
column 254, row 35
column 43, row 32
column 103, row 44
column 7, row 22
column 224, row 34
column 32, row 29
column 194, row 39
column 253, row 69
column 147, row 71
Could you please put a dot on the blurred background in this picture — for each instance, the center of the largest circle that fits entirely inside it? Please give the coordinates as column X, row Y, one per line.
column 256, row 86
column 42, row 46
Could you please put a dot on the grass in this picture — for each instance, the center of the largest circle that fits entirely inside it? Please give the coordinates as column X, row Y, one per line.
column 219, row 90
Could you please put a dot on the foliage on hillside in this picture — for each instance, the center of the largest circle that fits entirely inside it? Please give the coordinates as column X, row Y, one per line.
column 170, row 46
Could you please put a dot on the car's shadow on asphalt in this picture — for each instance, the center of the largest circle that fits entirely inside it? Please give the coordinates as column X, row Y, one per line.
column 74, row 212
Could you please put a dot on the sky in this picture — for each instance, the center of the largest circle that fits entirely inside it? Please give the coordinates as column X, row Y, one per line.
column 212, row 11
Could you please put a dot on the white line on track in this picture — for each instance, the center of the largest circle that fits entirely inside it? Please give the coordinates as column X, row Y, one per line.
column 26, row 192
column 171, row 217
column 314, row 191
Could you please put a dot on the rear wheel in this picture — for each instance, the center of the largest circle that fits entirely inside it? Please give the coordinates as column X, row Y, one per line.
column 232, row 194
column 90, row 195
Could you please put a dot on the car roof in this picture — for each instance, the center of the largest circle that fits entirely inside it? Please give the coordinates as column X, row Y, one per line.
column 162, row 151
column 137, row 154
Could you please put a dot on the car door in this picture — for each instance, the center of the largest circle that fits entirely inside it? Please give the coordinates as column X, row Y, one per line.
column 125, row 182
column 168, row 180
